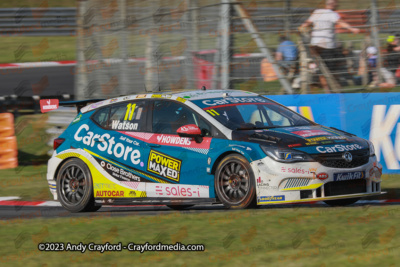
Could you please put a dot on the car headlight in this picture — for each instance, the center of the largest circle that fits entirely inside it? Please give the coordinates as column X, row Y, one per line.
column 286, row 155
column 371, row 148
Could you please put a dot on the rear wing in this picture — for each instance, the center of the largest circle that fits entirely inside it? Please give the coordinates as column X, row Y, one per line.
column 47, row 105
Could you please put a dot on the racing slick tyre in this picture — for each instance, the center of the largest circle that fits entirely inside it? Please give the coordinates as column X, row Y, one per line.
column 75, row 187
column 179, row 207
column 235, row 183
column 342, row 202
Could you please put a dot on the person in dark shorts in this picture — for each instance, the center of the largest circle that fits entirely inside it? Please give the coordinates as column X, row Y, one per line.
column 393, row 53
column 323, row 37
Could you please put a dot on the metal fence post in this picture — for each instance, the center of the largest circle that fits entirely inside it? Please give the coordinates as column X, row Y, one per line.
column 287, row 18
column 375, row 37
column 80, row 82
column 123, row 73
column 189, row 39
column 225, row 43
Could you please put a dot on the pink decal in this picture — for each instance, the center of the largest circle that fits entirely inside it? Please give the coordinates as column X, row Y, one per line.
column 189, row 129
column 170, row 140
column 309, row 133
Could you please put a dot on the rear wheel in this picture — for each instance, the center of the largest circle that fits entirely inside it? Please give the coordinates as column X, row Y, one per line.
column 342, row 202
column 75, row 187
column 235, row 183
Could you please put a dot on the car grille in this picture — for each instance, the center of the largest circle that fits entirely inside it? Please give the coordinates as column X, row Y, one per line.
column 335, row 160
column 340, row 188
column 345, row 187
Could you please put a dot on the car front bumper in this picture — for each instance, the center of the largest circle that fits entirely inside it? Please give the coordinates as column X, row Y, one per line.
column 278, row 183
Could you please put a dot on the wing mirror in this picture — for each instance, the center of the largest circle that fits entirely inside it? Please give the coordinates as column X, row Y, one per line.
column 191, row 131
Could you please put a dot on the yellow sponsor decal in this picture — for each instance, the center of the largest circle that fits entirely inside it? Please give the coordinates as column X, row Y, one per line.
column 102, row 186
column 317, row 139
column 312, row 186
column 156, row 96
column 164, row 165
column 180, row 99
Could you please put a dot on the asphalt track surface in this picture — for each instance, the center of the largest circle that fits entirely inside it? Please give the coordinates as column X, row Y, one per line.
column 31, row 212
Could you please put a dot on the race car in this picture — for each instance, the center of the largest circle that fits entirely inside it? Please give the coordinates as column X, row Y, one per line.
column 185, row 148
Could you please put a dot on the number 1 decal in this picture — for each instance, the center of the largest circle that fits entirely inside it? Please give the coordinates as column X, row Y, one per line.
column 130, row 111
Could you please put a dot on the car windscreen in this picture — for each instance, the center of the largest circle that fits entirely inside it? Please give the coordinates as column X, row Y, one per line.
column 246, row 113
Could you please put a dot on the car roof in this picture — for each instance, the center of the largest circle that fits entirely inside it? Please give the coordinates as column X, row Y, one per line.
column 182, row 96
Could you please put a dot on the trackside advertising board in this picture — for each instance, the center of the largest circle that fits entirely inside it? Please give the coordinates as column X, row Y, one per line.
column 373, row 116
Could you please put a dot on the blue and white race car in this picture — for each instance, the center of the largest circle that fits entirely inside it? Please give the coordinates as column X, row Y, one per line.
column 207, row 146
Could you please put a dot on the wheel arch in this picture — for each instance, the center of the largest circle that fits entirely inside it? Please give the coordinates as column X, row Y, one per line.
column 221, row 157
column 61, row 164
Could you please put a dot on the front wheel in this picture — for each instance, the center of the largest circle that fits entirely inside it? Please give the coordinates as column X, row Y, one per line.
column 75, row 187
column 235, row 183
column 342, row 202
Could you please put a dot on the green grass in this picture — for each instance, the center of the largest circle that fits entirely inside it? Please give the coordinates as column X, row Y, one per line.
column 35, row 49
column 38, row 3
column 361, row 236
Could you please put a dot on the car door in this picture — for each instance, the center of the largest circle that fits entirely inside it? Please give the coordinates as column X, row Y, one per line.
column 121, row 150
column 179, row 161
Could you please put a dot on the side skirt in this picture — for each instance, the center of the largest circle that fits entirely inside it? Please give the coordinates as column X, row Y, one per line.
column 154, row 201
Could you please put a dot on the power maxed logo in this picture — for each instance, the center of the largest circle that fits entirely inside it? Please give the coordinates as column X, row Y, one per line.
column 164, row 165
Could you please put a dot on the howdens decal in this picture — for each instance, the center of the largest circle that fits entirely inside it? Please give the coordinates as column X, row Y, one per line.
column 164, row 165
column 170, row 140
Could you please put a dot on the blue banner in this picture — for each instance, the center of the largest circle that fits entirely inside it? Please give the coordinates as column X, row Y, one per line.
column 373, row 116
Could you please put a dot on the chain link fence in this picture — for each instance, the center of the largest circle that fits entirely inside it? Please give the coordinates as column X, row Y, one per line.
column 130, row 46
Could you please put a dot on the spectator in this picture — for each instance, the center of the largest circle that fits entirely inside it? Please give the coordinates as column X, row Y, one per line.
column 393, row 52
column 286, row 55
column 323, row 37
column 388, row 76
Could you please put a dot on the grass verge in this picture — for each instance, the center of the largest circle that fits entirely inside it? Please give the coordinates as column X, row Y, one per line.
column 364, row 236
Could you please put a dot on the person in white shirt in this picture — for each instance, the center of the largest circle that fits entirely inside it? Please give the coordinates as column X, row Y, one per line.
column 323, row 37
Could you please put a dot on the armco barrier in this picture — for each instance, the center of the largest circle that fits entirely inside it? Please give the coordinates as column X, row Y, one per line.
column 8, row 142
column 373, row 116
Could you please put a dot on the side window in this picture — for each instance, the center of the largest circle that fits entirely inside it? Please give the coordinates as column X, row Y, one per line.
column 129, row 116
column 168, row 116
column 205, row 127
column 101, row 117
